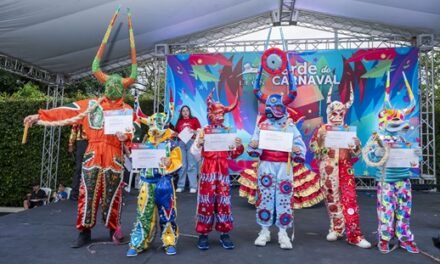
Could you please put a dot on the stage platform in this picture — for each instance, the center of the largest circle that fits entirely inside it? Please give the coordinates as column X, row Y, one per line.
column 44, row 235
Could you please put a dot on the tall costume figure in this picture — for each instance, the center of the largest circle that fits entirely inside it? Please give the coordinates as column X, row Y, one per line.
column 337, row 176
column 394, row 199
column 214, row 197
column 101, row 179
column 275, row 180
column 156, row 196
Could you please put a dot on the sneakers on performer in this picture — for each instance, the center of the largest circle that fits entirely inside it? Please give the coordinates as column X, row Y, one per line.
column 384, row 246
column 192, row 190
column 179, row 190
column 116, row 235
column 263, row 238
column 170, row 250
column 84, row 238
column 332, row 236
column 363, row 243
column 410, row 246
column 226, row 241
column 284, row 241
column 132, row 252
column 203, row 243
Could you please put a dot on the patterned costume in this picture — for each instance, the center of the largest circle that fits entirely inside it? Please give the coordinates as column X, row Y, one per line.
column 214, row 197
column 394, row 199
column 156, row 195
column 337, row 176
column 101, row 180
column 275, row 179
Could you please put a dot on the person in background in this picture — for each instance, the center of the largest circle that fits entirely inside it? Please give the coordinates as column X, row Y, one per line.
column 61, row 194
column 189, row 164
column 36, row 198
column 78, row 143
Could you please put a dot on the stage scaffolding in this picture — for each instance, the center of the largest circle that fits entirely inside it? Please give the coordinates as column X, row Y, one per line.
column 152, row 62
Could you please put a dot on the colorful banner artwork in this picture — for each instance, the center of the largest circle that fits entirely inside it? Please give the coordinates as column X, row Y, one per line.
column 192, row 76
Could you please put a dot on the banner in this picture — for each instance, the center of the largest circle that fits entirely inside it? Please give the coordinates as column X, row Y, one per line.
column 192, row 76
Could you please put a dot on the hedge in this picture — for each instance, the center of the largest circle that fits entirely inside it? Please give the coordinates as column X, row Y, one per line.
column 21, row 164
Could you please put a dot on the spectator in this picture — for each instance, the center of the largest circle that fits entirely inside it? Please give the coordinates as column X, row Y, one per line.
column 61, row 194
column 78, row 144
column 36, row 198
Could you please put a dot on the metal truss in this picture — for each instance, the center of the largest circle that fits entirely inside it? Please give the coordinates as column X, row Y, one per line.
column 21, row 68
column 51, row 139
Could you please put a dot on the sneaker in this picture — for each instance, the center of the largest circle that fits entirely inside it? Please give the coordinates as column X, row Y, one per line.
column 170, row 250
column 203, row 243
column 179, row 190
column 284, row 241
column 384, row 246
column 116, row 235
column 132, row 252
column 410, row 246
column 263, row 238
column 192, row 190
column 83, row 239
column 332, row 236
column 363, row 243
column 226, row 241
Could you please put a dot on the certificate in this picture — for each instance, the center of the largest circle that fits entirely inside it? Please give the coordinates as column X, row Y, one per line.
column 186, row 134
column 220, row 142
column 146, row 158
column 275, row 140
column 402, row 158
column 340, row 138
column 118, row 121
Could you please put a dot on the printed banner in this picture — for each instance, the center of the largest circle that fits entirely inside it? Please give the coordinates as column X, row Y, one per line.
column 192, row 76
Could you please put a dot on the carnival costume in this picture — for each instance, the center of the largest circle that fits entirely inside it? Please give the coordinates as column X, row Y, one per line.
column 214, row 197
column 275, row 179
column 156, row 195
column 337, row 176
column 101, row 179
column 394, row 198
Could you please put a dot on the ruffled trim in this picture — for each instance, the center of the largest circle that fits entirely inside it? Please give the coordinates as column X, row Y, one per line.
column 305, row 202
column 249, row 194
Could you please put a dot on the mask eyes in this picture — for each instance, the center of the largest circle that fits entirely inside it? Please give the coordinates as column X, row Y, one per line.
column 273, row 100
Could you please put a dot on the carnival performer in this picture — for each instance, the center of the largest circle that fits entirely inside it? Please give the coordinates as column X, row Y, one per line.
column 214, row 197
column 189, row 164
column 156, row 195
column 337, row 175
column 101, row 179
column 394, row 198
column 275, row 179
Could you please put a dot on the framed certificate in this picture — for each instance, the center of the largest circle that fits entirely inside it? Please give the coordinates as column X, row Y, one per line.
column 340, row 137
column 186, row 134
column 219, row 141
column 402, row 158
column 145, row 157
column 275, row 140
column 118, row 121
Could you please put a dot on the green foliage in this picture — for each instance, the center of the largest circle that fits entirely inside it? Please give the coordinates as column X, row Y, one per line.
column 21, row 164
column 30, row 91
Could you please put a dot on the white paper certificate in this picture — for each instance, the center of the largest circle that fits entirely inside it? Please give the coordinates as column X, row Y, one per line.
column 118, row 121
column 147, row 158
column 219, row 142
column 186, row 134
column 275, row 140
column 402, row 158
column 339, row 139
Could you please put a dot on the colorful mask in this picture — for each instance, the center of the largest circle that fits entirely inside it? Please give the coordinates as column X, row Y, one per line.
column 276, row 104
column 393, row 120
column 157, row 123
column 337, row 110
column 115, row 84
column 217, row 111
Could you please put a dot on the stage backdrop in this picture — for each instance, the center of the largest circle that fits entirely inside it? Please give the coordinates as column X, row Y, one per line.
column 192, row 76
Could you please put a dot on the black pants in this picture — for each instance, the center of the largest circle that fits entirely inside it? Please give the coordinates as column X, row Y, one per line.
column 80, row 149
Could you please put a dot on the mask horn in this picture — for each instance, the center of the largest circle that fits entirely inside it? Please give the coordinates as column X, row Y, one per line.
column 412, row 101
column 257, row 87
column 387, row 103
column 329, row 95
column 233, row 106
column 290, row 97
column 96, row 68
column 126, row 82
column 209, row 99
column 351, row 100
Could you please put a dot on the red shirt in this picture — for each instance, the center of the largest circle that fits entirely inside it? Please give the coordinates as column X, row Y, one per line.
column 192, row 123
